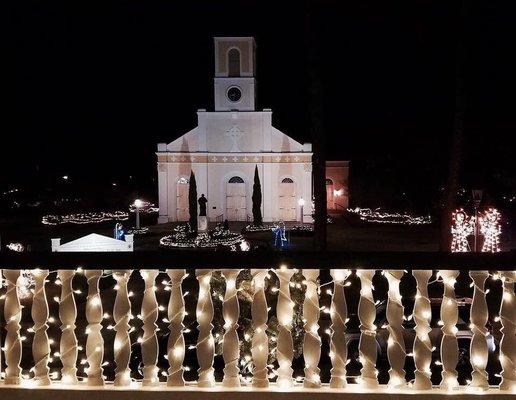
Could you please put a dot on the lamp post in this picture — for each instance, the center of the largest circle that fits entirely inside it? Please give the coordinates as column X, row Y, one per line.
column 301, row 203
column 477, row 199
column 137, row 205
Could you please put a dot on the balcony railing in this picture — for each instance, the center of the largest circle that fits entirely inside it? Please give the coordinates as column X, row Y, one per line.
column 203, row 324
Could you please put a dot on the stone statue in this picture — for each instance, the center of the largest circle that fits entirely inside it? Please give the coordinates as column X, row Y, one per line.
column 202, row 205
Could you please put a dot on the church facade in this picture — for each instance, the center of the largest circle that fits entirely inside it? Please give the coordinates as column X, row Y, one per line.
column 227, row 145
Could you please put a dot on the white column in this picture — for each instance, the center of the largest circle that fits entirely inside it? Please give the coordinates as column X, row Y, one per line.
column 94, row 341
column 284, row 312
column 395, row 344
column 122, row 316
column 422, row 344
column 176, row 340
column 508, row 343
column 68, row 315
column 449, row 317
column 260, row 341
column 149, row 341
column 312, row 342
column 205, row 342
column 40, row 343
column 339, row 316
column 230, row 346
column 12, row 314
column 478, row 317
column 367, row 344
column 163, row 192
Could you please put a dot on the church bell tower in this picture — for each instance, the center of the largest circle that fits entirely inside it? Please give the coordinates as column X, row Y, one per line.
column 234, row 73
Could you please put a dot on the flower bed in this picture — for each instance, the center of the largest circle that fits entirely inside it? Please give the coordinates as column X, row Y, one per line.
column 218, row 237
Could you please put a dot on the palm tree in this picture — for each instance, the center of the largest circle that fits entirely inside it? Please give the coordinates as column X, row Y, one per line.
column 451, row 188
column 315, row 112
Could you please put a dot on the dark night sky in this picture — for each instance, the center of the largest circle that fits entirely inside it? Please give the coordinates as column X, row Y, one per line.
column 96, row 85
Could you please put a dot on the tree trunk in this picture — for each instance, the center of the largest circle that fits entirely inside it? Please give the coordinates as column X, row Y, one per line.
column 457, row 141
column 192, row 202
column 315, row 112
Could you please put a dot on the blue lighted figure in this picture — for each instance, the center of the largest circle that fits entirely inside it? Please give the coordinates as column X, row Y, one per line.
column 119, row 231
column 279, row 235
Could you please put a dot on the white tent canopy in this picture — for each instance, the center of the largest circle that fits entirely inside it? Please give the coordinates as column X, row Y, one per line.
column 94, row 242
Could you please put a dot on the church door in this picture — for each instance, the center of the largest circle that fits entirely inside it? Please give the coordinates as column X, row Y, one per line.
column 330, row 204
column 236, row 204
column 287, row 200
column 182, row 200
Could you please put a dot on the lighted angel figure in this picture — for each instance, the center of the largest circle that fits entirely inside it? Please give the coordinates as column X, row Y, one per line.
column 462, row 227
column 490, row 228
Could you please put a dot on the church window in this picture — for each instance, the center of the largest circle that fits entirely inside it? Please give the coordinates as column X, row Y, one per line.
column 236, row 179
column 287, row 180
column 233, row 62
column 182, row 180
column 329, row 181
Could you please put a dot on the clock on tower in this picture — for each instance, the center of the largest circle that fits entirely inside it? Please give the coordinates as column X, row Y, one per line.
column 234, row 73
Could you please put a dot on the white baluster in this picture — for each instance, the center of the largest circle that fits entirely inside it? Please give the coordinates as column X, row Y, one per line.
column 284, row 311
column 312, row 342
column 230, row 346
column 176, row 340
column 12, row 313
column 339, row 316
column 260, row 341
column 205, row 342
column 40, row 343
column 122, row 316
column 449, row 317
column 94, row 341
column 68, row 315
column 367, row 344
column 422, row 344
column 395, row 344
column 479, row 316
column 149, row 341
column 508, row 343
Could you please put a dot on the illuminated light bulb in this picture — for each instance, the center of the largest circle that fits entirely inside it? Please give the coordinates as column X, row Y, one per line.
column 177, row 352
column 477, row 360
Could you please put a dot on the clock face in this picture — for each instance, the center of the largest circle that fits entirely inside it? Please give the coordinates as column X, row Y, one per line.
column 234, row 94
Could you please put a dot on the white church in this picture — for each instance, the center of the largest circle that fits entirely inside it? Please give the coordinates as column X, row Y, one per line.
column 226, row 145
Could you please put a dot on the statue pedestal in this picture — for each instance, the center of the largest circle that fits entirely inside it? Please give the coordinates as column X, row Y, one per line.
column 202, row 224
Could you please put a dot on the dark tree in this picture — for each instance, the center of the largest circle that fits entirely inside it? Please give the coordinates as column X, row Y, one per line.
column 315, row 113
column 451, row 188
column 192, row 202
column 257, row 199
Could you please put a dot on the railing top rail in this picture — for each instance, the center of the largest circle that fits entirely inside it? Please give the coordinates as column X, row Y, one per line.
column 181, row 259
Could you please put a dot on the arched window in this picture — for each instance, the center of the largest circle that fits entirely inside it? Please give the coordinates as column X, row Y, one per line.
column 233, row 62
column 236, row 179
column 287, row 180
column 329, row 181
column 182, row 180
